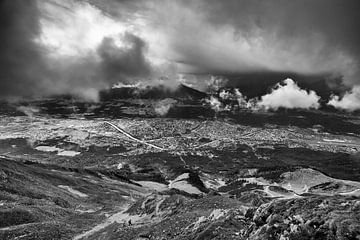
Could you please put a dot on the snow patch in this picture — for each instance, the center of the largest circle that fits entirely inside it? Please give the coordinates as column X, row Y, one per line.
column 334, row 140
column 153, row 185
column 68, row 153
column 73, row 191
column 181, row 184
column 60, row 152
column 48, row 149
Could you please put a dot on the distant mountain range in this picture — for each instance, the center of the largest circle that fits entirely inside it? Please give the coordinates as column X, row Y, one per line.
column 182, row 92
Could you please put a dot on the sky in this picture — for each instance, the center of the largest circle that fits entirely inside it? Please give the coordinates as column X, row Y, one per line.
column 82, row 46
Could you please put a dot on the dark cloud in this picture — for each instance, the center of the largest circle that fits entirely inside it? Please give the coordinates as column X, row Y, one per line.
column 336, row 19
column 22, row 64
column 120, row 63
column 295, row 24
column 239, row 36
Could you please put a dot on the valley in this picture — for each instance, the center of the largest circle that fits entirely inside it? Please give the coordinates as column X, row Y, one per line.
column 77, row 177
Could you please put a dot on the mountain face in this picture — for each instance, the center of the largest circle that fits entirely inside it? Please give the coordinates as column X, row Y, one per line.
column 182, row 92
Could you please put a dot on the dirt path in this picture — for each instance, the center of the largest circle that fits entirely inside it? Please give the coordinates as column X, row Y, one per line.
column 119, row 217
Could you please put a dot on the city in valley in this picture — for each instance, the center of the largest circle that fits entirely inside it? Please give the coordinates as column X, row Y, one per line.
column 72, row 170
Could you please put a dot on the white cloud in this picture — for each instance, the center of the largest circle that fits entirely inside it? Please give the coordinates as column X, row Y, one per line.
column 77, row 31
column 88, row 94
column 215, row 104
column 350, row 101
column 162, row 107
column 290, row 96
column 224, row 94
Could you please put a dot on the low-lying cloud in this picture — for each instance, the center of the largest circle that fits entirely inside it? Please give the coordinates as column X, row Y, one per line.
column 289, row 95
column 349, row 102
column 214, row 103
column 286, row 94
column 162, row 107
